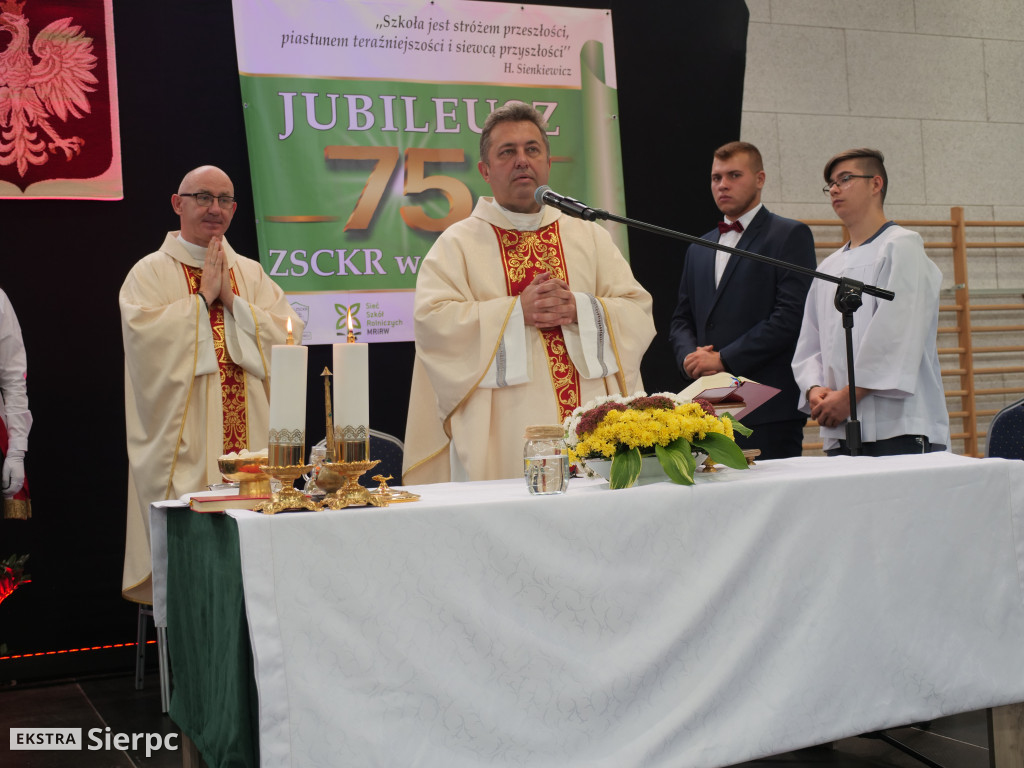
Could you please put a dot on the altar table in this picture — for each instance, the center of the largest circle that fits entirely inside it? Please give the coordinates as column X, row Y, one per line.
column 757, row 612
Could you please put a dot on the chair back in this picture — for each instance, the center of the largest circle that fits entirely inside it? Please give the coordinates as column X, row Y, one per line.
column 390, row 450
column 1006, row 432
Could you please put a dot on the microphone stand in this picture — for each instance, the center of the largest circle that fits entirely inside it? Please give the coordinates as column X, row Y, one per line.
column 847, row 299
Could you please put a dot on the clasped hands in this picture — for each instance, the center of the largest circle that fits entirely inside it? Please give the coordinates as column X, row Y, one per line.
column 703, row 361
column 547, row 302
column 216, row 281
column 831, row 407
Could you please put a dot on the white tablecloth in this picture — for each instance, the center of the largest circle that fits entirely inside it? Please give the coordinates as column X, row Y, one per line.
column 806, row 600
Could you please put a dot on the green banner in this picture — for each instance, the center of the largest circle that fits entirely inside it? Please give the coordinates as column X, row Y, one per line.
column 354, row 176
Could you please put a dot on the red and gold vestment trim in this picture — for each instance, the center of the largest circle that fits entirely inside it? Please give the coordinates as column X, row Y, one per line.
column 232, row 377
column 524, row 255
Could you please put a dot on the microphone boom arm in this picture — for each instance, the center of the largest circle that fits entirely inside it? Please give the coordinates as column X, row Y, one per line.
column 848, row 291
column 848, row 284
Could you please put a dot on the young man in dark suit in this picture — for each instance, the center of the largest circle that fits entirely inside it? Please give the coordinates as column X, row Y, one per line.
column 740, row 315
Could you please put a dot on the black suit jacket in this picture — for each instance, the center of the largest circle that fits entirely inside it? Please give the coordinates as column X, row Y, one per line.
column 753, row 317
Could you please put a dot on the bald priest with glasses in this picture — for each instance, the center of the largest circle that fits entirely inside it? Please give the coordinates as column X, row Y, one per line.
column 198, row 322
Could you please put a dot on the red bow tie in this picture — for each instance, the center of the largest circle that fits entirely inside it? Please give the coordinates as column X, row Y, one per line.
column 734, row 227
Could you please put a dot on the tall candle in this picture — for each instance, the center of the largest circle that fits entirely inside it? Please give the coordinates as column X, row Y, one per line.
column 288, row 394
column 352, row 391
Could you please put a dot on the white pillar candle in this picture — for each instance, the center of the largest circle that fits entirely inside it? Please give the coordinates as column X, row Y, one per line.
column 288, row 391
column 352, row 391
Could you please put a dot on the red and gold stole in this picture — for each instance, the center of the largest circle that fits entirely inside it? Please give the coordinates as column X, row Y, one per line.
column 232, row 377
column 524, row 255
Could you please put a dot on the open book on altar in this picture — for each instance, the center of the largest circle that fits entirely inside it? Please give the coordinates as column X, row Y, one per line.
column 729, row 394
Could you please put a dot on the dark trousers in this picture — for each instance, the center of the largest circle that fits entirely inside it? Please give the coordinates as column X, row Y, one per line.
column 775, row 439
column 892, row 446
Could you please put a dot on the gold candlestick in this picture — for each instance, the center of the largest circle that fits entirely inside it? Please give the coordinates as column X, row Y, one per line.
column 341, row 481
column 288, row 497
column 329, row 442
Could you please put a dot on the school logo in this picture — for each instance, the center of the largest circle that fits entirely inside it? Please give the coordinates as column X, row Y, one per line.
column 348, row 319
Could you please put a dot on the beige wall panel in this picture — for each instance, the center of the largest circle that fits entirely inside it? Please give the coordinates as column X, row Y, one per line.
column 887, row 15
column 1002, row 19
column 808, row 211
column 1004, row 78
column 1009, row 213
column 901, row 75
column 795, row 69
column 970, row 163
column 1010, row 269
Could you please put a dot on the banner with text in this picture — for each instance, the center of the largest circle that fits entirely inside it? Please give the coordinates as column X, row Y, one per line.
column 363, row 122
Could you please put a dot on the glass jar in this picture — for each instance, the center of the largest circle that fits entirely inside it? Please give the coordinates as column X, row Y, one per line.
column 546, row 460
column 317, row 455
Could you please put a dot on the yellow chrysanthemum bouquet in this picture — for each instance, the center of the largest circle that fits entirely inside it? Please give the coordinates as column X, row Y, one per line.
column 625, row 429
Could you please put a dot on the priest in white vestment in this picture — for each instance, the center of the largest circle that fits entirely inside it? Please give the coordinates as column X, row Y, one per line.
column 901, row 404
column 198, row 322
column 522, row 314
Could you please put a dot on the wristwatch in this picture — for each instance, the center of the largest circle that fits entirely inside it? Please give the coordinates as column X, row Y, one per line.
column 807, row 394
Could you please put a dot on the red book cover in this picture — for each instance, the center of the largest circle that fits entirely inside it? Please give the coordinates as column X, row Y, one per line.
column 742, row 391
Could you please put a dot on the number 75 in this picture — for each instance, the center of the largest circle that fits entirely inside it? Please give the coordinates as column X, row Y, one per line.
column 460, row 199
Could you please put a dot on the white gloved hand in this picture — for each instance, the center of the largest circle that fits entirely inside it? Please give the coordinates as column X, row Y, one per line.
column 13, row 473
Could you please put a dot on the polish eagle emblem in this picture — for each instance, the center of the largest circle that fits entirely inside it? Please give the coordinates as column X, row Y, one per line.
column 34, row 90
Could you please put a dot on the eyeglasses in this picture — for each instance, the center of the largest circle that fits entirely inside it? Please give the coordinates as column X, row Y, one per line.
column 843, row 181
column 205, row 199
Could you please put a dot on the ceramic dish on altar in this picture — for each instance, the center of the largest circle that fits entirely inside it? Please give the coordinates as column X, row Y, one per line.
column 650, row 468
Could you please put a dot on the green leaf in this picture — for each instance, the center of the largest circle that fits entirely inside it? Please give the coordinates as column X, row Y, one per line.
column 721, row 450
column 737, row 427
column 625, row 469
column 677, row 460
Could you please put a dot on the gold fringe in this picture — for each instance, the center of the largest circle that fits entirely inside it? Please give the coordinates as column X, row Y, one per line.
column 17, row 509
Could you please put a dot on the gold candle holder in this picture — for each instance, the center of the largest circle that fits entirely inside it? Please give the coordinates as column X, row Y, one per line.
column 286, row 462
column 351, row 444
column 341, row 482
column 289, row 497
column 285, row 454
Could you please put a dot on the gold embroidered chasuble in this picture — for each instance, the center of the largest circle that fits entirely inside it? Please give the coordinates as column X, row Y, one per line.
column 524, row 256
column 465, row 305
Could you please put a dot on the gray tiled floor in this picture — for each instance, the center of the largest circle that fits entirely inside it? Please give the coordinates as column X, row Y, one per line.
column 956, row 742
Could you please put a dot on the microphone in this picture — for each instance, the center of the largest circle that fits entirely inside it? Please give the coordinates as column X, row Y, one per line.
column 545, row 195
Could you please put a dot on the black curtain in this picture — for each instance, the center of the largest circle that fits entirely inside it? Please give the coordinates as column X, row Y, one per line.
column 680, row 79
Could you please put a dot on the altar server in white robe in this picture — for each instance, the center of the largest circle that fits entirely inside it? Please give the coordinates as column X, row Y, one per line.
column 198, row 323
column 901, row 404
column 522, row 314
column 15, row 416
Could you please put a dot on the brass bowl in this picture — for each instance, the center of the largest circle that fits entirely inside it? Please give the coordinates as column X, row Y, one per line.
column 248, row 473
